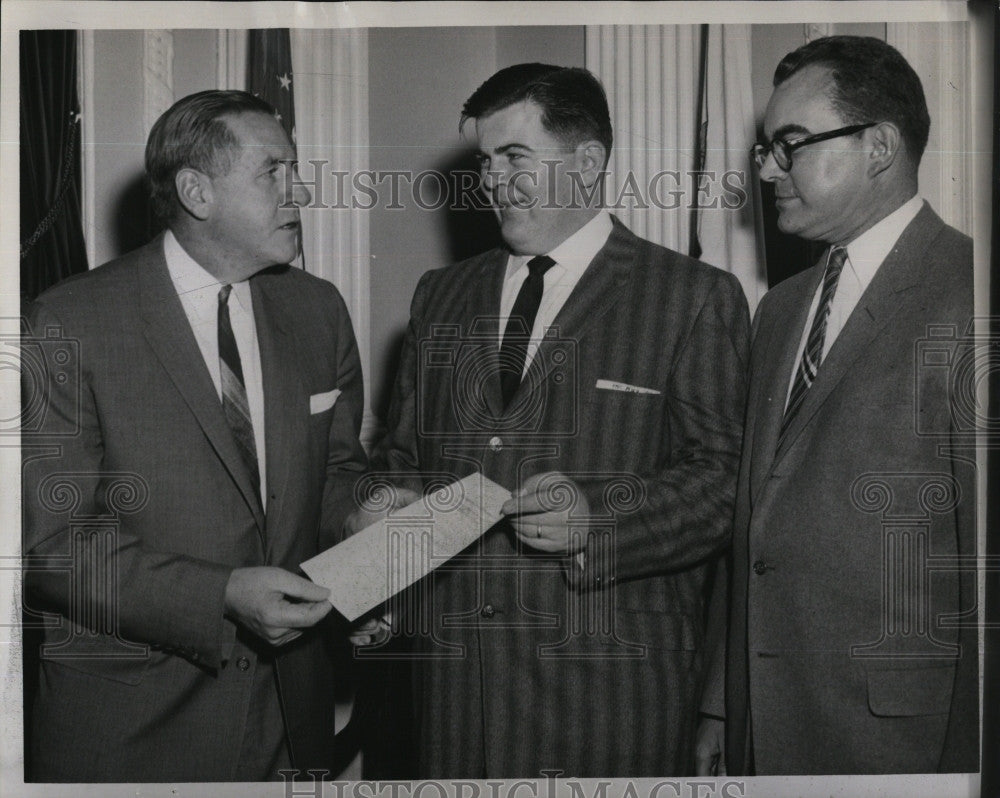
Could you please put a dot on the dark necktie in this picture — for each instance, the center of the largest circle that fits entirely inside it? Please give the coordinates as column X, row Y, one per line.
column 812, row 354
column 517, row 333
column 234, row 392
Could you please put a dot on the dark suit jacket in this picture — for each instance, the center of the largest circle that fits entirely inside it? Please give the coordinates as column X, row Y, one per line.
column 526, row 661
column 841, row 652
column 137, row 507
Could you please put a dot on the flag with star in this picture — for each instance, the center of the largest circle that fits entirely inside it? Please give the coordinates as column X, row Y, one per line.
column 270, row 73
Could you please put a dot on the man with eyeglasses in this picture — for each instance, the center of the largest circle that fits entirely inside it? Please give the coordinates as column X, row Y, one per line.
column 843, row 653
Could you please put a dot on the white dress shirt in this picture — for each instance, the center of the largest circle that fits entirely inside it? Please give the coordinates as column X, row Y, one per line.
column 572, row 257
column 865, row 255
column 199, row 294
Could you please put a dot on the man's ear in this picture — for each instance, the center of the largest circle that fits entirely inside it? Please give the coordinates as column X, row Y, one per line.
column 590, row 158
column 194, row 192
column 886, row 141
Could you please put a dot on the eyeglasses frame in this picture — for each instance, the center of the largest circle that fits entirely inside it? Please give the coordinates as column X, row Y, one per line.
column 791, row 146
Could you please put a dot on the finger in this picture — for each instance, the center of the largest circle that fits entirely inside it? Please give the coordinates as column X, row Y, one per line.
column 296, row 587
column 521, row 500
column 704, row 764
column 299, row 616
column 526, row 504
column 404, row 497
column 542, row 544
column 530, row 485
column 286, row 638
column 367, row 627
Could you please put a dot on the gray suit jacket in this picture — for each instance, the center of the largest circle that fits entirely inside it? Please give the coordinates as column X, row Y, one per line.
column 137, row 506
column 528, row 662
column 842, row 652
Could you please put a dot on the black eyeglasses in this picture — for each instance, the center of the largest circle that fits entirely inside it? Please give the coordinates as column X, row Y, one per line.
column 782, row 150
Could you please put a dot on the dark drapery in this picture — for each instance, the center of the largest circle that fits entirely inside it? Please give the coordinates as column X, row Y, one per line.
column 52, row 245
column 269, row 52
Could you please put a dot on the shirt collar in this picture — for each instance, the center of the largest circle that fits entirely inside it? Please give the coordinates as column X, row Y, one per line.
column 867, row 252
column 576, row 252
column 189, row 276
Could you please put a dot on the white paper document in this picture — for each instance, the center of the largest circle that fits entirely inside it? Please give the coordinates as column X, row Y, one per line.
column 390, row 555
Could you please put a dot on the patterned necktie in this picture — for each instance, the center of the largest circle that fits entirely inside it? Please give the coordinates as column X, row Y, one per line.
column 514, row 348
column 812, row 355
column 234, row 392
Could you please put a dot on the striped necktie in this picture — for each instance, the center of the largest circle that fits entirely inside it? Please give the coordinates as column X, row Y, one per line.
column 234, row 392
column 517, row 333
column 812, row 355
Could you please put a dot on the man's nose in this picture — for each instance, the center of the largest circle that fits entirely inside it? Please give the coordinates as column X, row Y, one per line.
column 770, row 171
column 300, row 194
column 490, row 178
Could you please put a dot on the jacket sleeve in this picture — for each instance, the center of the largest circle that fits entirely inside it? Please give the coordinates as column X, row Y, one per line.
column 80, row 558
column 684, row 512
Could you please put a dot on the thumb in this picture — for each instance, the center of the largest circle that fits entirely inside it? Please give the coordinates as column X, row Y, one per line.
column 404, row 497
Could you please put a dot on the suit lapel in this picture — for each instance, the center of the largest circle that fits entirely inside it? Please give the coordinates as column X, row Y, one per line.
column 881, row 301
column 599, row 288
column 285, row 403
column 779, row 359
column 483, row 314
column 169, row 334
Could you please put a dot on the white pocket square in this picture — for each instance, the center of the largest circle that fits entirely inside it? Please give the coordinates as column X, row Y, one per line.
column 320, row 402
column 611, row 385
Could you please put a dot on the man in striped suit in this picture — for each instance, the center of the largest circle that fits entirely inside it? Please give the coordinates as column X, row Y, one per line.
column 600, row 378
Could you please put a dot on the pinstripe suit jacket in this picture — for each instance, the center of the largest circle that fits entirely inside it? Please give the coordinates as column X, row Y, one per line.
column 841, row 650
column 134, row 448
column 528, row 662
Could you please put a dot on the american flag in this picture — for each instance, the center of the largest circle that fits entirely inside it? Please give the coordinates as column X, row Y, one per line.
column 269, row 53
column 270, row 73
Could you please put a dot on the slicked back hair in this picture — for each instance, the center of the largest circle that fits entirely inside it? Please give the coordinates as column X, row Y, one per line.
column 193, row 133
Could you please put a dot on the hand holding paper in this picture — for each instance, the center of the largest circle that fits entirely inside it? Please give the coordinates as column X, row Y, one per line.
column 407, row 544
column 542, row 510
column 273, row 603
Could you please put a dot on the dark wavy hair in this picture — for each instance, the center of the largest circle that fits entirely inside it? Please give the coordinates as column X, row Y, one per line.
column 574, row 105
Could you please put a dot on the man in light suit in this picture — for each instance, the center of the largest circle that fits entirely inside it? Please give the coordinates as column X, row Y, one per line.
column 198, row 439
column 600, row 378
column 846, row 652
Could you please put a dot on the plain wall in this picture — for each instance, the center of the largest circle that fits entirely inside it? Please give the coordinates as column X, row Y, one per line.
column 120, row 141
column 122, row 217
column 418, row 80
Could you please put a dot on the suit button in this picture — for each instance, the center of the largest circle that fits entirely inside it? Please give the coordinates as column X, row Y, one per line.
column 243, row 664
column 496, row 444
column 488, row 611
column 759, row 567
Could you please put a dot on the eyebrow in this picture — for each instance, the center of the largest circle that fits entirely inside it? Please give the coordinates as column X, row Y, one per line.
column 506, row 148
column 785, row 130
column 273, row 161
